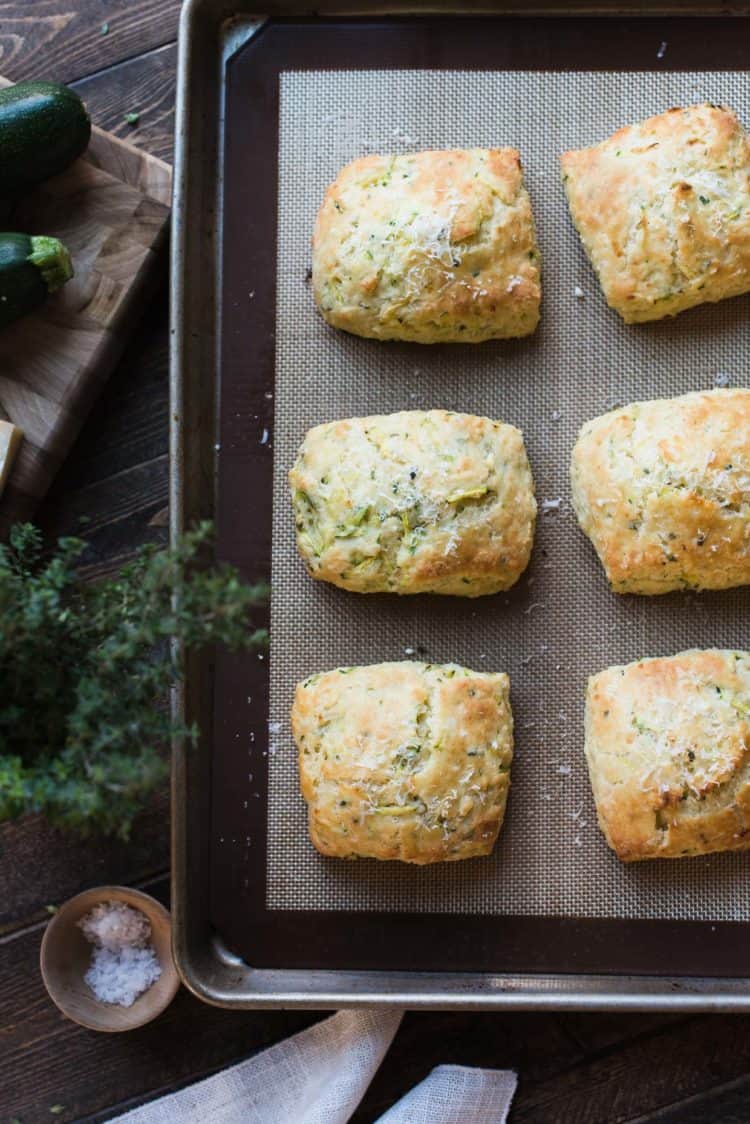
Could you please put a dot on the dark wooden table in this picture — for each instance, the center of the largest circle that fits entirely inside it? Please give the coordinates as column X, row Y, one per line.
column 574, row 1069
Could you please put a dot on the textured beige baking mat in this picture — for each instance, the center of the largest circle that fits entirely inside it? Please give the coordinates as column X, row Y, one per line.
column 560, row 624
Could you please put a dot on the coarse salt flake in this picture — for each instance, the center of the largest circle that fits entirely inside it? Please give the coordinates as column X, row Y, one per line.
column 535, row 605
column 120, row 977
column 113, row 925
column 578, row 292
column 124, row 963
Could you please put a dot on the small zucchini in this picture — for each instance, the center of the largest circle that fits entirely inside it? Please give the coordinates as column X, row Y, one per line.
column 44, row 127
column 31, row 267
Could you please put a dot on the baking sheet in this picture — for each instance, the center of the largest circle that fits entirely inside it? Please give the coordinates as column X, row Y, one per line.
column 560, row 624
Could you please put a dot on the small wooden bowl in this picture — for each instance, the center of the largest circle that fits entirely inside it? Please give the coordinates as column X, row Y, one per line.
column 66, row 955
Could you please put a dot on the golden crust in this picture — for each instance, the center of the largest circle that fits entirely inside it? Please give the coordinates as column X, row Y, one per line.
column 432, row 247
column 406, row 761
column 663, row 210
column 422, row 501
column 668, row 750
column 662, row 489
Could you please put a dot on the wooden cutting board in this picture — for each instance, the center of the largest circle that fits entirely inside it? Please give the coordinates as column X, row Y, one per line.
column 111, row 209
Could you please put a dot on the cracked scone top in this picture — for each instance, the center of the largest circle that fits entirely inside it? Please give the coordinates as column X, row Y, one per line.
column 406, row 760
column 668, row 750
column 663, row 211
column 662, row 489
column 422, row 501
column 432, row 247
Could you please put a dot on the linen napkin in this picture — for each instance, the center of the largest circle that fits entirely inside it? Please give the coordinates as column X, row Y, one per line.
column 320, row 1075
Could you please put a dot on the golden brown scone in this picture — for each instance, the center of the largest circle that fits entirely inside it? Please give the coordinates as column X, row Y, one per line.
column 663, row 210
column 423, row 501
column 433, row 247
column 668, row 746
column 662, row 489
column 406, row 761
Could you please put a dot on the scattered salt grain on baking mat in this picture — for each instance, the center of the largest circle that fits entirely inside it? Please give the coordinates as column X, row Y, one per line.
column 581, row 362
column 124, row 963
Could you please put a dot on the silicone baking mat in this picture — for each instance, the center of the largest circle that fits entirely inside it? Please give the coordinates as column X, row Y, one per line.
column 560, row 624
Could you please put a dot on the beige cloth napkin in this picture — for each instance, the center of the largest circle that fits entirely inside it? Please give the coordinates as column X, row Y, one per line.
column 320, row 1075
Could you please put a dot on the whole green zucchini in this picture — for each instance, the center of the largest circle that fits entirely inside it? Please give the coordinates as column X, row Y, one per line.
column 31, row 267
column 44, row 127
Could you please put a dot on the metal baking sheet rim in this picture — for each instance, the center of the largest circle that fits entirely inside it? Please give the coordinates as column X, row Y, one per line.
column 211, row 31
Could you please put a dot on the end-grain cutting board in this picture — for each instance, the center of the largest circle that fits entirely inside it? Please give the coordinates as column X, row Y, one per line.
column 111, row 209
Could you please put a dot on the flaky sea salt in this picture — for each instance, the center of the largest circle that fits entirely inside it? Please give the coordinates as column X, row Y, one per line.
column 112, row 925
column 120, row 977
column 123, row 963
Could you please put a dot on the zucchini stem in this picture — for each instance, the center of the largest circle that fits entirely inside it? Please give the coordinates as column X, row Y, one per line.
column 52, row 260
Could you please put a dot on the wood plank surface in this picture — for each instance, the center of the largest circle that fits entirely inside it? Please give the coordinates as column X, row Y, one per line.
column 45, row 1060
column 574, row 1068
column 642, row 1076
column 144, row 86
column 111, row 210
column 68, row 39
column 41, row 867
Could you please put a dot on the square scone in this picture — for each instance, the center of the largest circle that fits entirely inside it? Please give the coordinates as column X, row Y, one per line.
column 431, row 247
column 422, row 501
column 668, row 751
column 663, row 211
column 661, row 489
column 404, row 760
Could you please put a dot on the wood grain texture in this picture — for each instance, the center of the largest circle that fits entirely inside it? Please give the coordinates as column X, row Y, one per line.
column 728, row 1104
column 10, row 441
column 46, row 1060
column 128, row 423
column 111, row 210
column 573, row 1067
column 42, row 867
column 534, row 1045
column 65, row 39
column 144, row 86
column 607, row 1030
column 641, row 1076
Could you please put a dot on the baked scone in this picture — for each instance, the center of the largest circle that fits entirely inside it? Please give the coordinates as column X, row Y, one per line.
column 406, row 761
column 432, row 247
column 423, row 501
column 662, row 489
column 663, row 210
column 668, row 750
